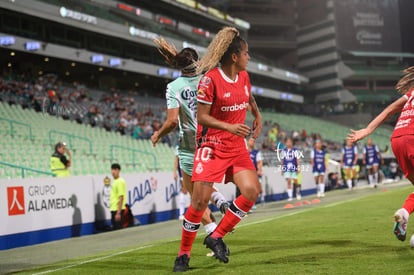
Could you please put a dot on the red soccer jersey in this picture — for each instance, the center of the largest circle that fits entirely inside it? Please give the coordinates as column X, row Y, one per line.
column 405, row 123
column 229, row 100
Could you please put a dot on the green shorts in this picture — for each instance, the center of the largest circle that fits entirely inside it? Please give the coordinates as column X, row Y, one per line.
column 291, row 175
column 186, row 158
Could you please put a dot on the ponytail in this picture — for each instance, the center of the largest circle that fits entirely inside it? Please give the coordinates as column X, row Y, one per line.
column 184, row 60
column 217, row 49
column 406, row 82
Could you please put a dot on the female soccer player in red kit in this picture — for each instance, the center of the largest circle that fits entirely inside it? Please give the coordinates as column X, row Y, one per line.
column 402, row 142
column 223, row 97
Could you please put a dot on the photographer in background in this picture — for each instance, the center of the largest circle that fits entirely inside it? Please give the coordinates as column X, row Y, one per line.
column 59, row 163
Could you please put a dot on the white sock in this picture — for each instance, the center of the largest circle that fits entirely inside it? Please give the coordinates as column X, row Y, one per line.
column 371, row 179
column 217, row 198
column 376, row 178
column 181, row 203
column 210, row 227
column 405, row 213
column 290, row 193
column 349, row 183
column 322, row 188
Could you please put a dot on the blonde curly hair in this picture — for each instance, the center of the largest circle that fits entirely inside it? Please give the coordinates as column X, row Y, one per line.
column 217, row 49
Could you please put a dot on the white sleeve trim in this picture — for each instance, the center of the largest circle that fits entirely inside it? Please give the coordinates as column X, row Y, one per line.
column 203, row 101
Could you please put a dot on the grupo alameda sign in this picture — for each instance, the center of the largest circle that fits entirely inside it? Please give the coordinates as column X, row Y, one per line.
column 65, row 12
column 368, row 25
column 44, row 203
column 36, row 198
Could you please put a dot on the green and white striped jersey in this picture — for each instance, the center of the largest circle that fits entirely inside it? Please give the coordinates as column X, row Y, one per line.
column 182, row 93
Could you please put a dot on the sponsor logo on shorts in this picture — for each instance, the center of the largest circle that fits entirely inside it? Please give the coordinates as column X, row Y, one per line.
column 235, row 107
column 199, row 168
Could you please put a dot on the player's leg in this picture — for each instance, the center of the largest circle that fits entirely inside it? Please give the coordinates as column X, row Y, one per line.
column 375, row 174
column 289, row 187
column 262, row 194
column 297, row 186
column 401, row 215
column 207, row 221
column 348, row 177
column 316, row 177
column 354, row 177
column 405, row 158
column 200, row 198
column 249, row 186
column 322, row 184
column 370, row 175
column 181, row 204
column 219, row 200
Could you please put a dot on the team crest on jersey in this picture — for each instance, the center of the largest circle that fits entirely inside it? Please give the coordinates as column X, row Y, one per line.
column 246, row 90
column 201, row 94
column 199, row 168
column 205, row 80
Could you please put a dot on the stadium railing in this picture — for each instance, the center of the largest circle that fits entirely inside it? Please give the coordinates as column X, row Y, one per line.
column 70, row 138
column 133, row 151
column 24, row 168
column 12, row 126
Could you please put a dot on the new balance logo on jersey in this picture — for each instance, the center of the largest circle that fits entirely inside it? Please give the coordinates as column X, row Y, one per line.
column 235, row 107
column 15, row 199
column 190, row 227
column 226, row 95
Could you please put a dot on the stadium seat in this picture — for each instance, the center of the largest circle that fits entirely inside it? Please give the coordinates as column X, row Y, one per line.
column 21, row 150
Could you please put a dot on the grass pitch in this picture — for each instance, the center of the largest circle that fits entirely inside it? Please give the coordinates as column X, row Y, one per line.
column 352, row 237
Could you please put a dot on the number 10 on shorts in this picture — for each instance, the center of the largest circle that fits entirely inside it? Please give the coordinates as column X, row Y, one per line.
column 204, row 154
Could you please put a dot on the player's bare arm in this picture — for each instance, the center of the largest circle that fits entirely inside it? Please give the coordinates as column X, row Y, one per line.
column 167, row 127
column 395, row 107
column 205, row 119
column 254, row 110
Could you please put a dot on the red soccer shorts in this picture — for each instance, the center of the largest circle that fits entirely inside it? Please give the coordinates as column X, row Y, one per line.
column 403, row 148
column 211, row 165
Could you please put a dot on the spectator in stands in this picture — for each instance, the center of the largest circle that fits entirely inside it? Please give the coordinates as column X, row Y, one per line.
column 90, row 116
column 117, row 198
column 147, row 129
column 59, row 164
column 138, row 132
column 273, row 133
column 123, row 123
column 109, row 123
column 304, row 134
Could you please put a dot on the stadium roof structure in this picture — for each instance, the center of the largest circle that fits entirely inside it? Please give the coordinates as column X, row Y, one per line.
column 381, row 54
column 99, row 25
column 209, row 12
